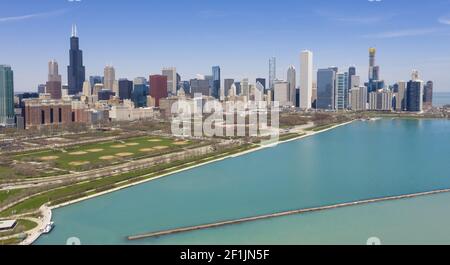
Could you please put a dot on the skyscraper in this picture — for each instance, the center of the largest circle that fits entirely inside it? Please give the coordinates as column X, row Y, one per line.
column 76, row 70
column 216, row 82
column 95, row 80
column 140, row 92
column 326, row 82
column 281, row 93
column 171, row 74
column 125, row 89
column 262, row 81
column 159, row 90
column 414, row 100
column 351, row 74
column 306, row 79
column 292, row 81
column 109, row 77
column 245, row 88
column 227, row 86
column 341, row 96
column 272, row 71
column 401, row 96
column 428, row 95
column 53, row 86
column 6, row 96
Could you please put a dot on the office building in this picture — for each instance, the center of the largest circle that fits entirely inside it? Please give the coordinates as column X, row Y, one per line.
column 159, row 89
column 227, row 86
column 292, row 81
column 281, row 93
column 306, row 79
column 53, row 86
column 171, row 75
column 6, row 96
column 76, row 70
column 109, row 77
column 215, row 91
column 326, row 83
column 272, row 71
column 140, row 92
column 95, row 80
column 200, row 86
column 125, row 89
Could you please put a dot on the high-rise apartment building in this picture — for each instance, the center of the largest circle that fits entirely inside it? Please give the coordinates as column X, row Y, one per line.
column 414, row 100
column 401, row 96
column 341, row 94
column 428, row 95
column 281, row 93
column 227, row 83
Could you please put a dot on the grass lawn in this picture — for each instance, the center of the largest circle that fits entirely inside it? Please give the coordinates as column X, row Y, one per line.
column 5, row 171
column 105, row 153
column 21, row 226
column 5, row 194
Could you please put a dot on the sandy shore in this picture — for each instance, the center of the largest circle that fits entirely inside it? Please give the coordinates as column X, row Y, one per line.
column 47, row 211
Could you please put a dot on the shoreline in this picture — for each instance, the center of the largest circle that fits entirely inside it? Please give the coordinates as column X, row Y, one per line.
column 36, row 234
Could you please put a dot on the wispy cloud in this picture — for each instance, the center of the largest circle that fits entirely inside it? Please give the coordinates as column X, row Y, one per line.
column 354, row 18
column 33, row 16
column 402, row 33
column 444, row 20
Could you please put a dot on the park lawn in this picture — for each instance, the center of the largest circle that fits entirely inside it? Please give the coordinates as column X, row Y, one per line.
column 6, row 171
column 106, row 153
column 21, row 226
column 5, row 194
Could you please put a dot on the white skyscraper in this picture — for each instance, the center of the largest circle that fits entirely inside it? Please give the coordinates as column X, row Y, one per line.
column 291, row 79
column 171, row 73
column 110, row 78
column 53, row 73
column 306, row 79
column 245, row 88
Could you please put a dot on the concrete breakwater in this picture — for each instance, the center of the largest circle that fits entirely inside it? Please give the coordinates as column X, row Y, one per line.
column 280, row 214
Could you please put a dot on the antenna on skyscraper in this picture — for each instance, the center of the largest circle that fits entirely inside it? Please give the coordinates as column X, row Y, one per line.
column 74, row 30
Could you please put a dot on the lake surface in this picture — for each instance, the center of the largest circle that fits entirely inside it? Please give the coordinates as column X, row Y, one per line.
column 360, row 161
column 441, row 99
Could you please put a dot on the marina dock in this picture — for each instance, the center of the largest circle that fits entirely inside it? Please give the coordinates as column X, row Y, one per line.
column 280, row 214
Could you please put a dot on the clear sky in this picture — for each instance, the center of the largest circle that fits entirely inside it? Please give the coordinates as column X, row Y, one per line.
column 139, row 37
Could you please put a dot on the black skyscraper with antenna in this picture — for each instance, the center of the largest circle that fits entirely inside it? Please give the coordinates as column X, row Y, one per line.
column 76, row 70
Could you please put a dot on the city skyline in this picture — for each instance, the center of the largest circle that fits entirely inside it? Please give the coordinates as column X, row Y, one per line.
column 398, row 52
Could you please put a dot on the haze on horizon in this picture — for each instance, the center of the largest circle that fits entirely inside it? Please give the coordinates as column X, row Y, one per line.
column 141, row 37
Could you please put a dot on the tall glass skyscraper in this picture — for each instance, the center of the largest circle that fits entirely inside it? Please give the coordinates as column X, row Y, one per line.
column 216, row 82
column 326, row 82
column 414, row 96
column 341, row 96
column 272, row 71
column 6, row 96
column 75, row 71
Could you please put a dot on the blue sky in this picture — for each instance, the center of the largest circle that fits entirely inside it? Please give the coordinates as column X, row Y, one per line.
column 139, row 37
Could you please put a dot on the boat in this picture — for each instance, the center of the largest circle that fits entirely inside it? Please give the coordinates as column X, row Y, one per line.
column 48, row 228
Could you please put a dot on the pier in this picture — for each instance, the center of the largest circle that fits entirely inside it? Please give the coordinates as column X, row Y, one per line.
column 280, row 214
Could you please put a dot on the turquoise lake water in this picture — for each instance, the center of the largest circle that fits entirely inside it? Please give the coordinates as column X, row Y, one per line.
column 359, row 161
